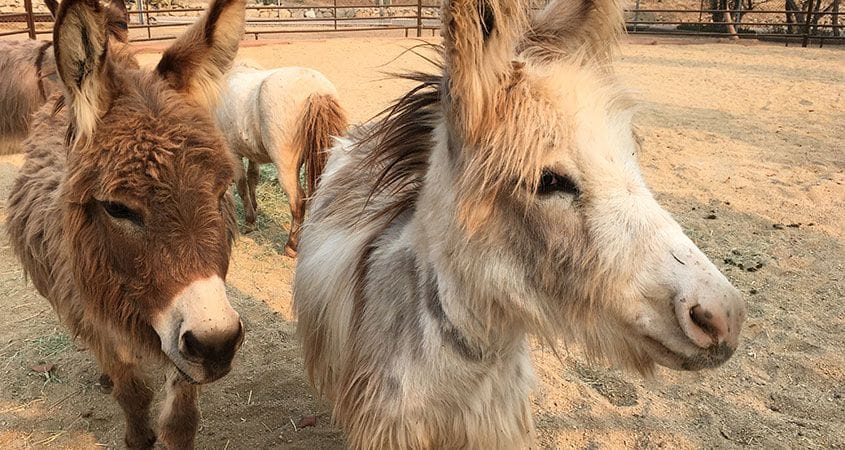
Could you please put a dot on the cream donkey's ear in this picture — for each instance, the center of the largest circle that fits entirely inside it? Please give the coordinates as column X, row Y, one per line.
column 480, row 37
column 196, row 62
column 80, row 38
column 589, row 27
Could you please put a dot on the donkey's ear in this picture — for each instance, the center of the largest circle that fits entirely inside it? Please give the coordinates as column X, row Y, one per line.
column 196, row 62
column 479, row 37
column 81, row 47
column 53, row 6
column 567, row 27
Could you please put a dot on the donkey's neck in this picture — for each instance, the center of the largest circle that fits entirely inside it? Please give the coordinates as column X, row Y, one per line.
column 467, row 324
column 452, row 295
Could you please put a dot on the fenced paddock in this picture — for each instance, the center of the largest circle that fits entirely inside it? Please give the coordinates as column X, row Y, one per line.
column 803, row 22
column 743, row 143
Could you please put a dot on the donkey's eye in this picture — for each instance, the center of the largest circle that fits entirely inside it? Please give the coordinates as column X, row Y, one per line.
column 551, row 182
column 122, row 212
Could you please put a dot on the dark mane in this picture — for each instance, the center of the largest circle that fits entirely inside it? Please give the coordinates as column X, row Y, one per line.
column 398, row 142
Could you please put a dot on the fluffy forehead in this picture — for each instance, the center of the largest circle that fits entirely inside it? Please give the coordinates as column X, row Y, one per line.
column 152, row 140
column 591, row 112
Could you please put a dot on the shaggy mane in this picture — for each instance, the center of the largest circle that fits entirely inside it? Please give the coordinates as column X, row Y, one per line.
column 399, row 142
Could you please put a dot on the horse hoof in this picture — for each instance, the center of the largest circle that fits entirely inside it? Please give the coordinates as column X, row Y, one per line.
column 249, row 228
column 290, row 252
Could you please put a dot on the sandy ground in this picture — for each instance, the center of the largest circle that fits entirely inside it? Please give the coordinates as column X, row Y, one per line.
column 745, row 145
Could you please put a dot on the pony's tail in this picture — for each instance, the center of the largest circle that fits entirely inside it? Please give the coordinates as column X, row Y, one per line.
column 322, row 120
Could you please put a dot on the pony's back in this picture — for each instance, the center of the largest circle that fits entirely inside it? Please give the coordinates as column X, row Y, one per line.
column 262, row 108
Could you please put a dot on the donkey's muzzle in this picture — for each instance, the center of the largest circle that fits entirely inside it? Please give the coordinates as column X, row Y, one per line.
column 709, row 311
column 200, row 331
column 712, row 320
column 213, row 352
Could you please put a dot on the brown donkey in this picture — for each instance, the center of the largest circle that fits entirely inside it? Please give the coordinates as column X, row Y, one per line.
column 28, row 77
column 121, row 215
column 499, row 199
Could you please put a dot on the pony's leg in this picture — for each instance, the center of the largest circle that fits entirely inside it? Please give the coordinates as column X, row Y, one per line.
column 289, row 179
column 134, row 396
column 179, row 414
column 252, row 182
column 242, row 182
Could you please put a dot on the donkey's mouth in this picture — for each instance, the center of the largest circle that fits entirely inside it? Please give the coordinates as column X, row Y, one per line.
column 700, row 359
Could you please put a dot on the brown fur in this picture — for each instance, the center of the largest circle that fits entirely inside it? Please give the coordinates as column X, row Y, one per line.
column 25, row 82
column 155, row 151
column 28, row 76
column 322, row 120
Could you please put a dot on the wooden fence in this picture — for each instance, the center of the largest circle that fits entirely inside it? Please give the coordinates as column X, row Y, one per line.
column 150, row 22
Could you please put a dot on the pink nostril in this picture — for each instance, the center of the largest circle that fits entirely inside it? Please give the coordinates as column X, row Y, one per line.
column 714, row 325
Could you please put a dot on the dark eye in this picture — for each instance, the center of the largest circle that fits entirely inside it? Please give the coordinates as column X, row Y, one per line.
column 551, row 182
column 122, row 212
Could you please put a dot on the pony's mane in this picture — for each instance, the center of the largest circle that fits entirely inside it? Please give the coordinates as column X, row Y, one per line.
column 398, row 141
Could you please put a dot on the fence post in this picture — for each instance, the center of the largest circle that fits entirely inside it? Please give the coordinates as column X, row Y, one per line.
column 30, row 20
column 141, row 12
column 419, row 18
column 738, row 15
column 637, row 16
column 807, row 21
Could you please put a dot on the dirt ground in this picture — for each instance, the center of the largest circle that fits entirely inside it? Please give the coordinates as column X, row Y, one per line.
column 744, row 144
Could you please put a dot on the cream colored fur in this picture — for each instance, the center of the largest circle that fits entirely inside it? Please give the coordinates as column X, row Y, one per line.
column 415, row 318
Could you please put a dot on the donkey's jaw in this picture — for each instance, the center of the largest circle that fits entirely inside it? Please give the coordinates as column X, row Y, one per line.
column 678, row 360
column 199, row 330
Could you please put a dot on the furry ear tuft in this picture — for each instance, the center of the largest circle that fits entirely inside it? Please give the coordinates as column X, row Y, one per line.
column 565, row 27
column 196, row 63
column 480, row 37
column 81, row 46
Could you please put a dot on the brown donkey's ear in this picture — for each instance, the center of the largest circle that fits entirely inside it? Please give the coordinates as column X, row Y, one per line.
column 81, row 46
column 479, row 38
column 53, row 6
column 566, row 27
column 196, row 62
column 116, row 16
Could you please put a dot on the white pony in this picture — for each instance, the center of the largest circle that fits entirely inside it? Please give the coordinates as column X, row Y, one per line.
column 287, row 117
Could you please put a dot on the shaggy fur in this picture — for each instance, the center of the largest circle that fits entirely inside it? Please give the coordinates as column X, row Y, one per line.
column 499, row 199
column 28, row 77
column 287, row 117
column 26, row 80
column 116, row 222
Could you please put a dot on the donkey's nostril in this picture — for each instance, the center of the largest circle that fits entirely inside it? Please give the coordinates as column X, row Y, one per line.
column 713, row 325
column 191, row 347
column 703, row 319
